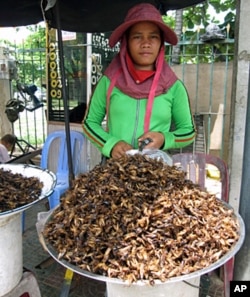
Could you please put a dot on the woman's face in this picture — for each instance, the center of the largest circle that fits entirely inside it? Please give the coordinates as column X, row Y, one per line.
column 144, row 42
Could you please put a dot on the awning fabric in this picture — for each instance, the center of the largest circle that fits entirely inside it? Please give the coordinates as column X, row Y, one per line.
column 79, row 15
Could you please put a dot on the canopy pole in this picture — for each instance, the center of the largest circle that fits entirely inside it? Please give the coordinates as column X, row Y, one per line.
column 64, row 92
column 242, row 258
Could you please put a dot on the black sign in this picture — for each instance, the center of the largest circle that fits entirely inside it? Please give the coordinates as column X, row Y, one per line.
column 102, row 55
column 239, row 288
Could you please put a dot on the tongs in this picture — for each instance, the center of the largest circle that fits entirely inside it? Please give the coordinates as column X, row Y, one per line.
column 143, row 143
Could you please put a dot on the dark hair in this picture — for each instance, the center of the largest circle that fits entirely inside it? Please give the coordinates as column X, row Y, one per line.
column 9, row 138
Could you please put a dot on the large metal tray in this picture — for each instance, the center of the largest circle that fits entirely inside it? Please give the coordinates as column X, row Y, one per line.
column 47, row 177
column 234, row 249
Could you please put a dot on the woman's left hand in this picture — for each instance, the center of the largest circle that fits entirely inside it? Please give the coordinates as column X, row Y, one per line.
column 157, row 138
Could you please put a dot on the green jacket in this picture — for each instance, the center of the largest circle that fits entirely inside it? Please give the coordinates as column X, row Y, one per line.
column 126, row 118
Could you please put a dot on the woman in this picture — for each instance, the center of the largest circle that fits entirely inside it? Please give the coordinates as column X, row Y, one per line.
column 139, row 93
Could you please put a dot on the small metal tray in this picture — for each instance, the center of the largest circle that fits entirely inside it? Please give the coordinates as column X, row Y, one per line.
column 47, row 177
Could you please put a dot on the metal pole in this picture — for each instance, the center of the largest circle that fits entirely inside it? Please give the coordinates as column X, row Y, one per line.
column 242, row 259
column 64, row 92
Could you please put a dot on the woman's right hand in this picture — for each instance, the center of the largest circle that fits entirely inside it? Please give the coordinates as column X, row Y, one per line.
column 120, row 149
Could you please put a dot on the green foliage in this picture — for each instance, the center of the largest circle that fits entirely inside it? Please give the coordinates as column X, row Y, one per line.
column 195, row 20
column 194, row 16
column 201, row 14
column 31, row 56
column 169, row 20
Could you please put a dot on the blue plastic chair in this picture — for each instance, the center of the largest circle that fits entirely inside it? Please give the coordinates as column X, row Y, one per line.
column 57, row 141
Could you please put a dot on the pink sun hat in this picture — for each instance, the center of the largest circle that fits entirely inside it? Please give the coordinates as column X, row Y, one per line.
column 140, row 13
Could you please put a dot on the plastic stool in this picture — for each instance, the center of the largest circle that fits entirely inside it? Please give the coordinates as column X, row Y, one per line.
column 28, row 287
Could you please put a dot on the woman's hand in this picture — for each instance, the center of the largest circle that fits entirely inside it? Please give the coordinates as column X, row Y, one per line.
column 157, row 138
column 120, row 149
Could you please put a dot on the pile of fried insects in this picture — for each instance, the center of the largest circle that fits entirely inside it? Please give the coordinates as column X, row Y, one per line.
column 16, row 190
column 137, row 218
